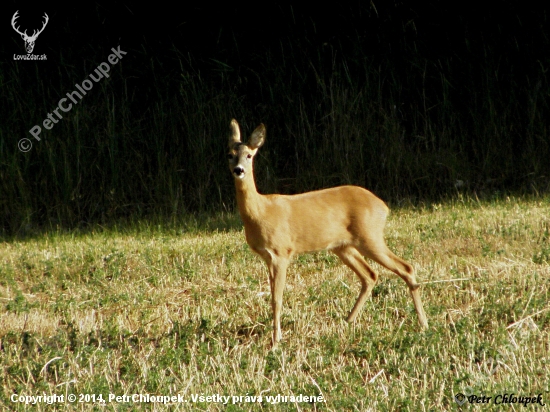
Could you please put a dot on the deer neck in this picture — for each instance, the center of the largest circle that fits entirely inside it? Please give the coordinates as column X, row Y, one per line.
column 251, row 204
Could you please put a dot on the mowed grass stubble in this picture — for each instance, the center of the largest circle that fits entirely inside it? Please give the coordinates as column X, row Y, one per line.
column 164, row 311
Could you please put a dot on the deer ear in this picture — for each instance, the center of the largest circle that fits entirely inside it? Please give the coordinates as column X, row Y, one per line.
column 257, row 138
column 235, row 136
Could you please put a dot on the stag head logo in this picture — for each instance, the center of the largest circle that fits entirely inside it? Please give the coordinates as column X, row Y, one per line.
column 29, row 40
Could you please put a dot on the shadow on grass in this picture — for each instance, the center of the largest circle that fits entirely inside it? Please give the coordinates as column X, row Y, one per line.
column 152, row 225
column 211, row 222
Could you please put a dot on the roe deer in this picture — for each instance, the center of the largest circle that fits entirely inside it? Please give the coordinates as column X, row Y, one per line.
column 347, row 220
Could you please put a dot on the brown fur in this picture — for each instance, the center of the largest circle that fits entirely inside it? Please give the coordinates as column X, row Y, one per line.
column 348, row 220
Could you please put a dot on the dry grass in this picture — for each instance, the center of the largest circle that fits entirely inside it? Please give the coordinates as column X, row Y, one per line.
column 169, row 312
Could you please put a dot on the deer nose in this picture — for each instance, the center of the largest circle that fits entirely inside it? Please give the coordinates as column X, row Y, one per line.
column 238, row 170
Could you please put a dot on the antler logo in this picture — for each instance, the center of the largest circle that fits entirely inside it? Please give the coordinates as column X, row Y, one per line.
column 29, row 40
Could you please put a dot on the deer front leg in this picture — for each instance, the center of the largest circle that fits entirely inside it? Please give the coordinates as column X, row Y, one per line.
column 277, row 278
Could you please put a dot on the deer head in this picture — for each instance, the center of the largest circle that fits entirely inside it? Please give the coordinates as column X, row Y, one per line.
column 29, row 40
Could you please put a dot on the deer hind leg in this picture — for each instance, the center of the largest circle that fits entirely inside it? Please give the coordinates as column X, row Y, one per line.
column 382, row 255
column 368, row 277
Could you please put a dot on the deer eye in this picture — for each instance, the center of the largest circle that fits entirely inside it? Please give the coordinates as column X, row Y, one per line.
column 249, row 156
column 230, row 156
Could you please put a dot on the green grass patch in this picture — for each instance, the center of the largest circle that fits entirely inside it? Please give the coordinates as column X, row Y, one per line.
column 185, row 310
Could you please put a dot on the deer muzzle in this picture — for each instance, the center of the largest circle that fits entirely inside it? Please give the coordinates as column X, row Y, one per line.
column 238, row 172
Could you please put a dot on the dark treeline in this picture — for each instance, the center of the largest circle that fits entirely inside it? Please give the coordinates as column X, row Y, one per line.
column 413, row 102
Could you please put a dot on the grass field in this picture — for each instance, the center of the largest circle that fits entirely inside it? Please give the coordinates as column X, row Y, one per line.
column 168, row 309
